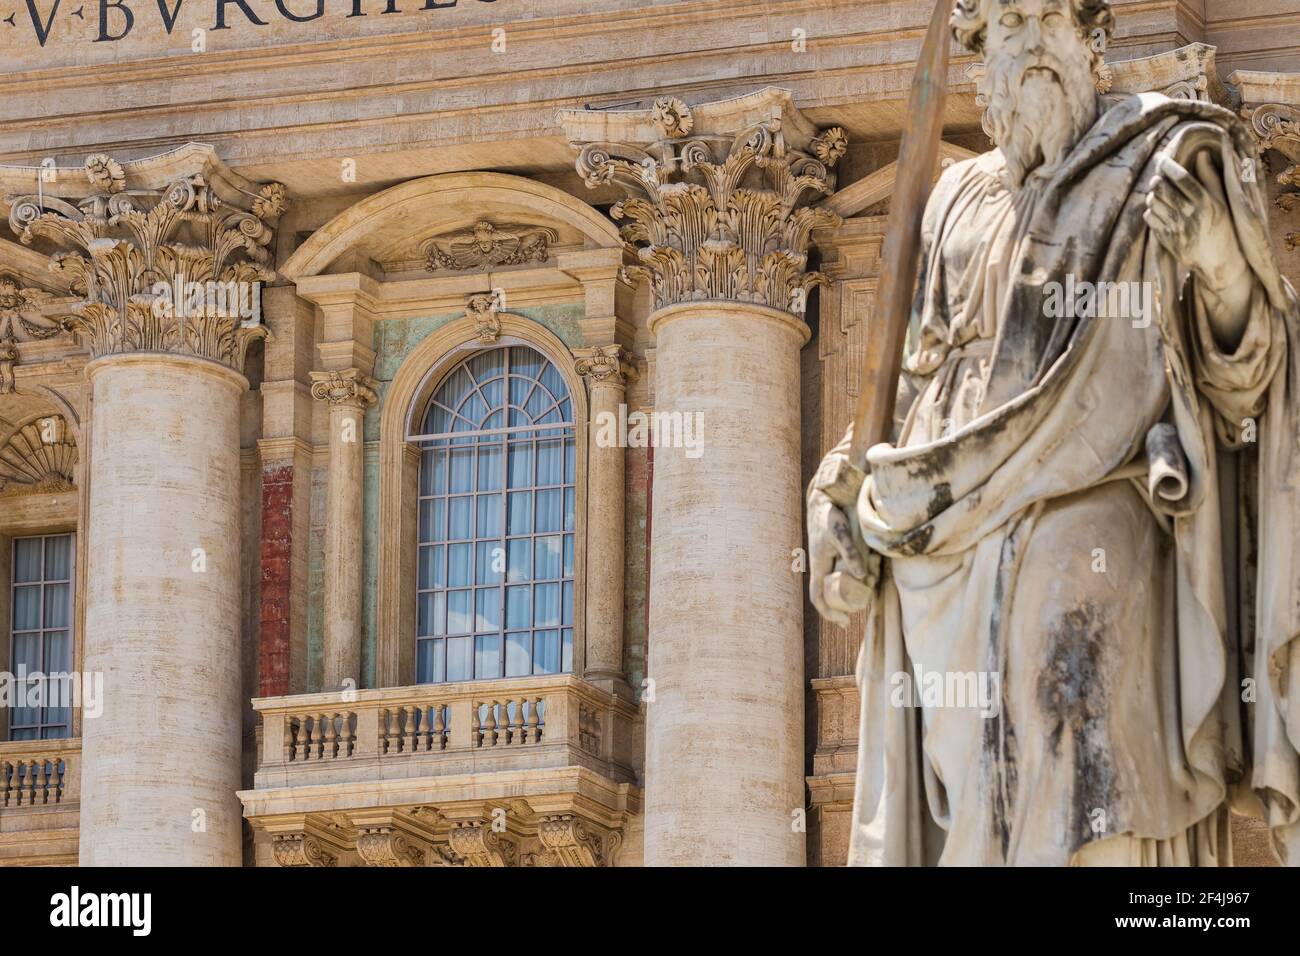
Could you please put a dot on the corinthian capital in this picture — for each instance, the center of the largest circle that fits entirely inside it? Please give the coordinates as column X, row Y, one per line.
column 604, row 365
column 167, row 254
column 345, row 386
column 718, row 193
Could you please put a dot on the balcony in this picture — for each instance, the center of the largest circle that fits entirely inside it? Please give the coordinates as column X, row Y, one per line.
column 534, row 771
column 40, row 796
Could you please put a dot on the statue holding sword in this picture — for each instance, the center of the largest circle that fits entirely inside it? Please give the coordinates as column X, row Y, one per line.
column 1098, row 513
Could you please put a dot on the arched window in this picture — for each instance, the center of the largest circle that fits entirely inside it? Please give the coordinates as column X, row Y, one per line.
column 496, row 521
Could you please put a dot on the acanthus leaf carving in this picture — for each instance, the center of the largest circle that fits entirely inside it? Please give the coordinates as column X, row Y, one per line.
column 300, row 849
column 475, row 844
column 119, row 245
column 714, row 217
column 19, row 323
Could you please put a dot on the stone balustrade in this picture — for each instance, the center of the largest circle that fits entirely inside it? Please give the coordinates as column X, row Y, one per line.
column 40, row 795
column 474, row 726
column 530, row 771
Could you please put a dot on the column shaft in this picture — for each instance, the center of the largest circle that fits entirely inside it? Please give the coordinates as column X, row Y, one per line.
column 161, row 765
column 605, row 537
column 724, row 740
column 343, row 524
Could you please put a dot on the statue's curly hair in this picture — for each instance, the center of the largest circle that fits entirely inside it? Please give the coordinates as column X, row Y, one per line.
column 970, row 24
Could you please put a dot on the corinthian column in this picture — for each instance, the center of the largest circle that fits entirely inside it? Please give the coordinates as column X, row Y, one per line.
column 348, row 392
column 161, row 764
column 716, row 213
column 606, row 369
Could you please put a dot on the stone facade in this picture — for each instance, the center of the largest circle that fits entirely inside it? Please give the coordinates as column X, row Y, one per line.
column 679, row 208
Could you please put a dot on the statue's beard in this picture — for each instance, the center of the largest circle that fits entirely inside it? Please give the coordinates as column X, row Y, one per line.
column 1038, row 108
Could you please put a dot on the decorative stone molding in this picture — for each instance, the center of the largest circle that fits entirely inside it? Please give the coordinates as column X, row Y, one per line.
column 567, row 840
column 387, row 847
column 1276, row 126
column 179, row 219
column 716, row 210
column 487, row 245
column 605, row 364
column 346, row 386
column 18, row 323
column 39, row 458
column 475, row 844
column 300, row 849
column 483, row 309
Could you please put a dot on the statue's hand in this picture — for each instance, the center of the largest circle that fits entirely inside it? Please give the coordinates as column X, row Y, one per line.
column 841, row 580
column 1195, row 225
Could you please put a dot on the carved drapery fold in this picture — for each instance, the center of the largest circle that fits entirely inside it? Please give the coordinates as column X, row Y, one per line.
column 719, row 213
column 120, row 246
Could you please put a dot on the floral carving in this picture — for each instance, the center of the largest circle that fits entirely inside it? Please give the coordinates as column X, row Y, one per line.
column 119, row 243
column 486, row 245
column 673, row 116
column 604, row 364
column 715, row 217
column 15, row 300
column 343, row 387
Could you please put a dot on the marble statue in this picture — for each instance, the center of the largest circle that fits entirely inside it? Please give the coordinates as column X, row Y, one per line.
column 1090, row 507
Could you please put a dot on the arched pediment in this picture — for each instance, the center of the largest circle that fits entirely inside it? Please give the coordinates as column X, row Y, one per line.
column 398, row 228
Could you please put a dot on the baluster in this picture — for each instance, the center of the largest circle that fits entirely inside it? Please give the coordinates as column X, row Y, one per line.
column 532, row 731
column 518, row 734
column 31, row 783
column 43, row 770
column 331, row 737
column 6, row 768
column 300, row 738
column 314, row 737
column 385, row 729
column 476, row 733
column 439, row 739
column 412, row 717
column 540, row 706
column 289, row 749
column 60, row 769
column 349, row 736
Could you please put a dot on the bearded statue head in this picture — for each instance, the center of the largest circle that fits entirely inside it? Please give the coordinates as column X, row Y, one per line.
column 1042, row 60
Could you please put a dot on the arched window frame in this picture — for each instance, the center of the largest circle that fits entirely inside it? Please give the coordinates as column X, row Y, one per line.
column 405, row 401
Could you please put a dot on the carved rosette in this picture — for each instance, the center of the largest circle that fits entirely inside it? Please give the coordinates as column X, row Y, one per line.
column 384, row 846
column 299, row 849
column 567, row 840
column 477, row 845
column 19, row 323
column 345, row 386
column 720, row 217
column 120, row 245
column 604, row 365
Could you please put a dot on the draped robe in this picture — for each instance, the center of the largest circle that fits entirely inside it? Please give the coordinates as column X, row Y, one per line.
column 1144, row 685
